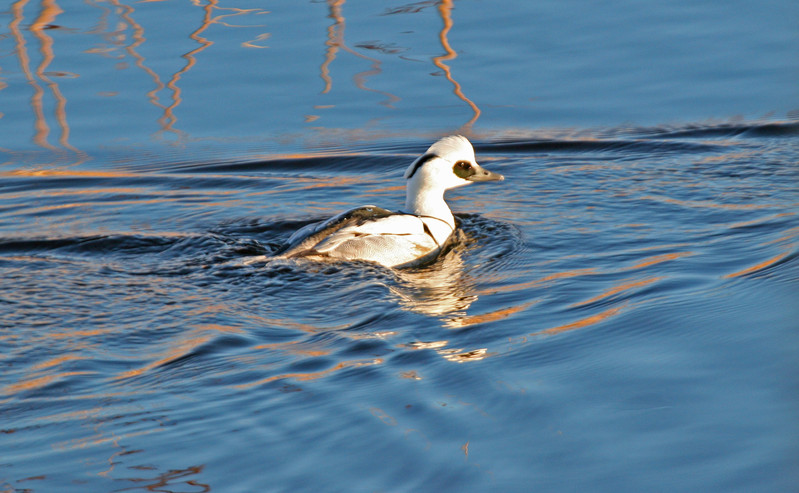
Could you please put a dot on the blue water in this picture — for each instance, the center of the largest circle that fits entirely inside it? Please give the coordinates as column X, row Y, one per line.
column 619, row 314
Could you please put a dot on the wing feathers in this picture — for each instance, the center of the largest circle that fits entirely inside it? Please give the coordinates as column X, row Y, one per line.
column 366, row 233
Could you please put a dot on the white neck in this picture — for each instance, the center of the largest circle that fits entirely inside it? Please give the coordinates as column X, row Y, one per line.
column 427, row 201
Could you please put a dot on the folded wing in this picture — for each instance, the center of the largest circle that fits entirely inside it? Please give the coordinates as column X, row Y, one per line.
column 366, row 233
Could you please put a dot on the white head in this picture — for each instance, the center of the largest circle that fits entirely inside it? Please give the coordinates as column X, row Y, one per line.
column 447, row 164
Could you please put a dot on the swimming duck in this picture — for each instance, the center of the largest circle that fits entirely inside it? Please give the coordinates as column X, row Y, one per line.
column 412, row 236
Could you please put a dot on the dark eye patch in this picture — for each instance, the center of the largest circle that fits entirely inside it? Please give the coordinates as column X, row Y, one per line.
column 463, row 169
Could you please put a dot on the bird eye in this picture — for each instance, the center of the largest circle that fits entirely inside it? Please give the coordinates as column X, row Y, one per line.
column 463, row 169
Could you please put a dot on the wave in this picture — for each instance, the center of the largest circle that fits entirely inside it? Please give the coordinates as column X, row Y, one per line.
column 390, row 156
column 724, row 130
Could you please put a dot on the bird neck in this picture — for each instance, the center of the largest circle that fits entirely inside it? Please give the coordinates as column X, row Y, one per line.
column 428, row 201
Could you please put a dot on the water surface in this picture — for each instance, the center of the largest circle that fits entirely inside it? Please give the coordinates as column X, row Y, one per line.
column 619, row 314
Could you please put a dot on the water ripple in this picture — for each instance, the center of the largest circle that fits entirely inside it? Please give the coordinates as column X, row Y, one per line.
column 145, row 311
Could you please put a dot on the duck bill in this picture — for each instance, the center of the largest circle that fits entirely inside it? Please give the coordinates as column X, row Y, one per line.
column 482, row 174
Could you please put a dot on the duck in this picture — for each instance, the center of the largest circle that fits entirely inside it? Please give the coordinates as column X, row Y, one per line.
column 409, row 237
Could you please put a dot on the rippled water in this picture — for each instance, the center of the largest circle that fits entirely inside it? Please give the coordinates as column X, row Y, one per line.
column 619, row 314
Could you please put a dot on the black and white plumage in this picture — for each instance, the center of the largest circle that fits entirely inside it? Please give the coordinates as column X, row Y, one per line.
column 399, row 239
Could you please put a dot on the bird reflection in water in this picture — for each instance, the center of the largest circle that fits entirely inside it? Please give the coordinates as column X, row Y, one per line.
column 444, row 290
column 440, row 289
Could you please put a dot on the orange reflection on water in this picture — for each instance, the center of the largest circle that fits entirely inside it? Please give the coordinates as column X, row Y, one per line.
column 332, row 43
column 49, row 12
column 760, row 266
column 538, row 282
column 460, row 322
column 57, row 361
column 335, row 41
column 618, row 289
column 138, row 40
column 299, row 184
column 788, row 235
column 445, row 9
column 168, row 120
column 657, row 259
column 585, row 322
column 760, row 220
column 116, row 36
column 314, row 374
column 41, row 381
column 68, row 173
column 295, row 347
column 192, row 340
column 290, row 324
column 691, row 204
column 40, row 122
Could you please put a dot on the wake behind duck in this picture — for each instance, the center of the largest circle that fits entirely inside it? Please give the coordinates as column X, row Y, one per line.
column 410, row 237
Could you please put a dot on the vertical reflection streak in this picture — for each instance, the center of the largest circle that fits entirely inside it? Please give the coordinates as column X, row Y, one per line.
column 40, row 123
column 102, row 22
column 51, row 10
column 335, row 40
column 445, row 9
column 168, row 119
column 138, row 40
